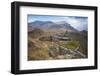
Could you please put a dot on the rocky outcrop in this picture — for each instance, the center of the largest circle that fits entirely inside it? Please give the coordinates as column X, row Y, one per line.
column 59, row 52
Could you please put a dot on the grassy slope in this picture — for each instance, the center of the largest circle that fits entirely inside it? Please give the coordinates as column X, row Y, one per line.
column 39, row 49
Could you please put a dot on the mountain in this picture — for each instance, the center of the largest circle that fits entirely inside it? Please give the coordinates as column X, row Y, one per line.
column 83, row 31
column 41, row 24
column 49, row 25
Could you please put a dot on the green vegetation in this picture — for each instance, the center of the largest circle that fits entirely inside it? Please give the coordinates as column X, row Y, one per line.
column 71, row 44
column 82, row 39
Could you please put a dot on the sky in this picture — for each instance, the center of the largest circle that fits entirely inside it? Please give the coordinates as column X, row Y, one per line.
column 78, row 22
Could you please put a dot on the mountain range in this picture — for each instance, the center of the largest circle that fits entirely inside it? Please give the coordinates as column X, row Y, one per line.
column 49, row 25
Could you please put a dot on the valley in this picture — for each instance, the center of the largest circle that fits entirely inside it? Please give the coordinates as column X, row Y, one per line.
column 50, row 44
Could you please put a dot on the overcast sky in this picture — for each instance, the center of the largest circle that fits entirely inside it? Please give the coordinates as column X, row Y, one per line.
column 78, row 22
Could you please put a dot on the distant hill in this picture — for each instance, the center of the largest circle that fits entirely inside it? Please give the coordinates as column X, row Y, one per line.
column 83, row 31
column 49, row 25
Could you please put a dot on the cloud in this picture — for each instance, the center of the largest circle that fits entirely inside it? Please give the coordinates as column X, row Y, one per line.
column 79, row 23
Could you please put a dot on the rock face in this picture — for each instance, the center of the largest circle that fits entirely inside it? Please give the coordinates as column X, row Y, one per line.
column 61, row 38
